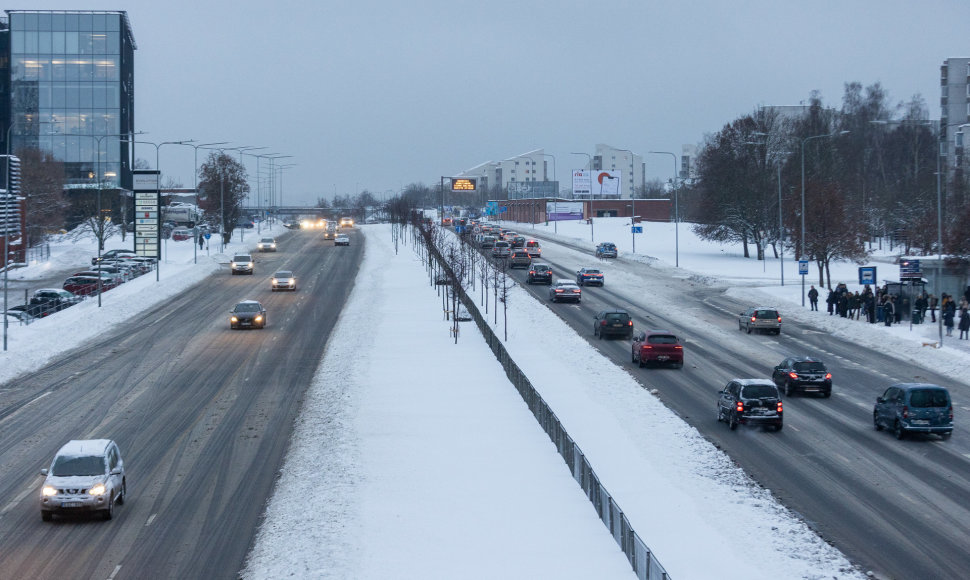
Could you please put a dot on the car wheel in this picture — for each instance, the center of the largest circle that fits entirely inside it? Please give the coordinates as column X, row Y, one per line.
column 875, row 422
column 749, row 329
column 733, row 422
column 779, row 426
column 945, row 436
column 641, row 363
column 826, row 394
column 46, row 515
column 789, row 391
column 680, row 365
column 124, row 492
column 777, row 331
column 898, row 430
column 720, row 415
column 740, row 328
column 633, row 357
column 109, row 512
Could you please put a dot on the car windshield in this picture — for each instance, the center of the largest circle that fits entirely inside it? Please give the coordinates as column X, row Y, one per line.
column 588, row 271
column 766, row 314
column 267, row 241
column 284, row 274
column 618, row 317
column 924, row 398
column 809, row 367
column 241, row 258
column 65, row 466
column 758, row 391
column 247, row 307
column 662, row 339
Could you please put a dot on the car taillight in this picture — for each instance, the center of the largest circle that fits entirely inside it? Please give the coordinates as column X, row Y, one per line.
column 753, row 319
column 678, row 347
column 828, row 376
column 558, row 290
column 629, row 323
column 602, row 322
column 779, row 320
column 905, row 412
column 740, row 407
column 645, row 347
column 779, row 407
column 951, row 413
column 793, row 375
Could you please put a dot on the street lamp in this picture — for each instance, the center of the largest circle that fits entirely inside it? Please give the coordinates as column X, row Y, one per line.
column 589, row 159
column 676, row 209
column 280, row 169
column 259, row 197
column 222, row 195
column 802, row 257
column 633, row 198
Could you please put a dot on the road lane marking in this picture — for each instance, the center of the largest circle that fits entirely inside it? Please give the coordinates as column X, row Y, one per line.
column 151, row 519
column 20, row 497
column 115, row 572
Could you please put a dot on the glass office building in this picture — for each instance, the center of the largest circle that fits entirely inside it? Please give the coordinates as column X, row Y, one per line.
column 69, row 89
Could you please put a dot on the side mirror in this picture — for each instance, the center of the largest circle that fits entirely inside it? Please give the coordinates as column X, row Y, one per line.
column 43, row 472
column 880, row 400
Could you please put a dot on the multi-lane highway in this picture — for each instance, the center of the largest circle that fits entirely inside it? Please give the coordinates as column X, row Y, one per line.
column 897, row 508
column 202, row 414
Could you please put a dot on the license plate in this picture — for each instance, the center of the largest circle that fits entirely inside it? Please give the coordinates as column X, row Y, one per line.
column 663, row 357
column 920, row 422
column 71, row 504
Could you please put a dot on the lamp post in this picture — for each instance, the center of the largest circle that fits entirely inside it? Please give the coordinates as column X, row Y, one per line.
column 633, row 201
column 676, row 209
column 554, row 180
column 222, row 195
column 589, row 164
column 259, row 197
column 195, row 176
column 281, row 169
column 802, row 257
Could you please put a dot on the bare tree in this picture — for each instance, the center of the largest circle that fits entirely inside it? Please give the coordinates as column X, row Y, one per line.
column 42, row 186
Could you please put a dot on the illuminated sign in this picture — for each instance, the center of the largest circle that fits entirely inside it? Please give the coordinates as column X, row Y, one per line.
column 463, row 184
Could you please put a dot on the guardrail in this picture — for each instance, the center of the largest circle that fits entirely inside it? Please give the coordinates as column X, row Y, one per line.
column 641, row 558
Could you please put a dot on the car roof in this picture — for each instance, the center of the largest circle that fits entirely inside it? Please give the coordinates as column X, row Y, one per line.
column 290, row 272
column 84, row 447
column 805, row 359
column 911, row 386
column 748, row 382
column 659, row 331
column 58, row 290
column 541, row 265
column 564, row 282
column 248, row 302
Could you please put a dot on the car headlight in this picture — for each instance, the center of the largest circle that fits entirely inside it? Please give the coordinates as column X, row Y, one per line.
column 259, row 319
column 275, row 281
column 49, row 491
column 250, row 264
column 292, row 280
column 98, row 489
column 233, row 319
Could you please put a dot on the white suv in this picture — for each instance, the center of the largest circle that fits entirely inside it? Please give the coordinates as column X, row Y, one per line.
column 85, row 476
column 241, row 264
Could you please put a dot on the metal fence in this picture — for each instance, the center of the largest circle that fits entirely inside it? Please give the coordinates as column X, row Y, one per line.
column 644, row 563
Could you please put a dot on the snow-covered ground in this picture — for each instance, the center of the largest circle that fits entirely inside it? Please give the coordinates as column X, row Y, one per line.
column 422, row 461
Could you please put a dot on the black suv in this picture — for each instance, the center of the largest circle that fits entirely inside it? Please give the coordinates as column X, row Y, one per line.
column 540, row 274
column 802, row 373
column 613, row 323
column 751, row 402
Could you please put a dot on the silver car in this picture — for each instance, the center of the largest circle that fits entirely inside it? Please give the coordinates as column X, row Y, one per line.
column 242, row 264
column 85, row 476
column 760, row 318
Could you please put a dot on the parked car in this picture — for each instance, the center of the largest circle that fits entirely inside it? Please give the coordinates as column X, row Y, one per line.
column 242, row 264
column 520, row 259
column 589, row 277
column 266, row 245
column 761, row 319
column 802, row 374
column 112, row 254
column 85, row 285
column 247, row 314
column 283, row 280
column 660, row 346
column 914, row 408
column 750, row 402
column 540, row 274
column 565, row 290
column 112, row 279
column 606, row 250
column 182, row 234
column 50, row 300
column 613, row 323
column 501, row 250
column 533, row 247
column 341, row 240
column 19, row 316
column 85, row 476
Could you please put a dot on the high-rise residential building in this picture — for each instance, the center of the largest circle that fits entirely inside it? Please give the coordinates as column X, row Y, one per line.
column 955, row 112
column 67, row 80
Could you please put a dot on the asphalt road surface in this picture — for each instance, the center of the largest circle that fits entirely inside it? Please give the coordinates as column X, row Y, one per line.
column 202, row 414
column 897, row 508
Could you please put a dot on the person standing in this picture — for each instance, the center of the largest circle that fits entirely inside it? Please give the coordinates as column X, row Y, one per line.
column 933, row 302
column 888, row 311
column 948, row 309
column 964, row 324
column 830, row 301
column 920, row 305
column 813, row 297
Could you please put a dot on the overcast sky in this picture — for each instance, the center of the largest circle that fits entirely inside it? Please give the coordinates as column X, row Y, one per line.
column 379, row 94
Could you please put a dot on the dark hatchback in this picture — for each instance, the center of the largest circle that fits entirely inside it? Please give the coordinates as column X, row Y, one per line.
column 540, row 274
column 613, row 323
column 914, row 408
column 750, row 402
column 802, row 374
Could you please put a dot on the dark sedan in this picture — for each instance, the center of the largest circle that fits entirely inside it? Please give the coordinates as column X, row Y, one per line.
column 802, row 374
column 247, row 314
column 589, row 277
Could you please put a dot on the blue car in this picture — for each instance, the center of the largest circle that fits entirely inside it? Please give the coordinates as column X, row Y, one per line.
column 914, row 408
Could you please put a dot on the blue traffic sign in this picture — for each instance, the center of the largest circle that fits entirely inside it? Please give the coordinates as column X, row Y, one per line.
column 867, row 275
column 636, row 229
column 803, row 267
column 207, row 235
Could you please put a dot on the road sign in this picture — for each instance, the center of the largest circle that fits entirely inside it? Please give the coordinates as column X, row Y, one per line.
column 636, row 229
column 803, row 267
column 909, row 269
column 867, row 275
column 207, row 235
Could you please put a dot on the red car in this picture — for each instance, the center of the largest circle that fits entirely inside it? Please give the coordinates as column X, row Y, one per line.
column 85, row 285
column 660, row 346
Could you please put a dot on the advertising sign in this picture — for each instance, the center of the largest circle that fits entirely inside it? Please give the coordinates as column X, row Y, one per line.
column 596, row 184
column 463, row 183
column 910, row 269
column 564, row 210
column 144, row 180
